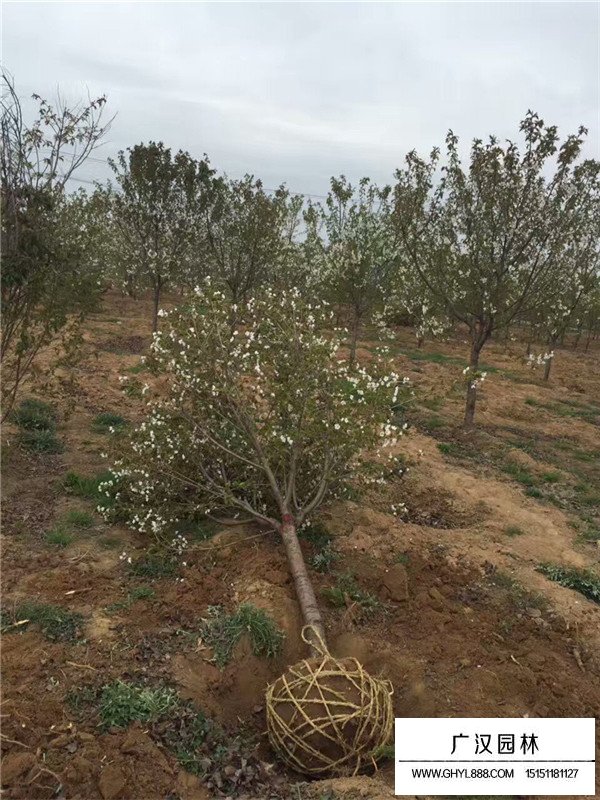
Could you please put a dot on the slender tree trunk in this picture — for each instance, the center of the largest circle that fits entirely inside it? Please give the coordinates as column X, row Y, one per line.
column 588, row 339
column 548, row 366
column 304, row 589
column 157, row 288
column 578, row 337
column 355, row 332
column 471, row 388
column 420, row 340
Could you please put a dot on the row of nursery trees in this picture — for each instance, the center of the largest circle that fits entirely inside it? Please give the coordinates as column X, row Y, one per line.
column 505, row 238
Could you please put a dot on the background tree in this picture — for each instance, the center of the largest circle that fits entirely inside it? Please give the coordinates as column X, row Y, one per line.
column 484, row 239
column 248, row 235
column 159, row 199
column 263, row 423
column 43, row 284
column 352, row 240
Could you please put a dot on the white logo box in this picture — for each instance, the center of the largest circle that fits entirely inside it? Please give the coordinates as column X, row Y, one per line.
column 471, row 756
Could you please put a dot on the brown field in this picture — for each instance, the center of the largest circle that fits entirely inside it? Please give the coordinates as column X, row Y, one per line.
column 467, row 626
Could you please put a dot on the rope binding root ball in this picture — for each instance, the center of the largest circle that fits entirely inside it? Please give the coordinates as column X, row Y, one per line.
column 328, row 715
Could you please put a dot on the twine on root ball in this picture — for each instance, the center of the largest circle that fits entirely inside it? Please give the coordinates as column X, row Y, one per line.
column 328, row 715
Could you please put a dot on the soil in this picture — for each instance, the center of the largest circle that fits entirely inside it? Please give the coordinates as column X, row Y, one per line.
column 466, row 625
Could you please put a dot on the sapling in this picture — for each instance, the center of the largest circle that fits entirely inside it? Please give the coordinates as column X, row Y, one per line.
column 260, row 423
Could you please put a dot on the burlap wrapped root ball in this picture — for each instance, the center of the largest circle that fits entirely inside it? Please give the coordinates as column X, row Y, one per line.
column 328, row 716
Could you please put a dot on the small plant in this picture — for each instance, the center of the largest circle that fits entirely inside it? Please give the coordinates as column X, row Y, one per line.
column 446, row 449
column 84, row 485
column 513, row 530
column 222, row 631
column 401, row 558
column 78, row 519
column 551, row 477
column 583, row 581
column 59, row 537
column 153, row 565
column 34, row 415
column 138, row 593
column 123, row 703
column 56, row 623
column 316, row 533
column 107, row 422
column 41, row 441
column 324, row 560
column 520, row 474
column 347, row 588
column 533, row 491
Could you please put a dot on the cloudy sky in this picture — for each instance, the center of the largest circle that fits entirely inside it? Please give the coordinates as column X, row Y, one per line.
column 297, row 92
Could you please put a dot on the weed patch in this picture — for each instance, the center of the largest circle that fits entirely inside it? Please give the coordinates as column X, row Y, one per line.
column 41, row 441
column 222, row 631
column 56, row 623
column 34, row 415
column 108, row 422
column 513, row 530
column 153, row 565
column 347, row 589
column 59, row 537
column 123, row 703
column 84, row 485
column 583, row 581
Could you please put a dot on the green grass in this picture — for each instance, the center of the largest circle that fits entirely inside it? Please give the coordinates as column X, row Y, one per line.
column 533, row 491
column 59, row 537
column 447, row 449
column 551, row 477
column 316, row 533
column 433, row 423
column 222, row 631
column 104, row 422
column 346, row 586
column 78, row 519
column 520, row 597
column 519, row 474
column 56, row 623
column 401, row 558
column 85, row 485
column 138, row 593
column 137, row 368
column 34, row 415
column 513, row 530
column 324, row 559
column 41, row 441
column 153, row 565
column 123, row 703
column 583, row 581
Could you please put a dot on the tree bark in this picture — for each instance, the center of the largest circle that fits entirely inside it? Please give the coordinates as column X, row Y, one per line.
column 548, row 367
column 157, row 288
column 302, row 582
column 354, row 340
column 471, row 389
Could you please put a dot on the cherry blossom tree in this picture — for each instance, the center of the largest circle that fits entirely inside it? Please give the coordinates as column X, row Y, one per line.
column 263, row 423
column 247, row 235
column 155, row 208
column 354, row 245
column 483, row 239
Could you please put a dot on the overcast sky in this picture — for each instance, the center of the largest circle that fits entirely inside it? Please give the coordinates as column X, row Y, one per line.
column 299, row 92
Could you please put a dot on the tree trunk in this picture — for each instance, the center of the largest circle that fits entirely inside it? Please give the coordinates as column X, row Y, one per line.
column 355, row 332
column 304, row 589
column 157, row 288
column 548, row 367
column 471, row 389
column 420, row 340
